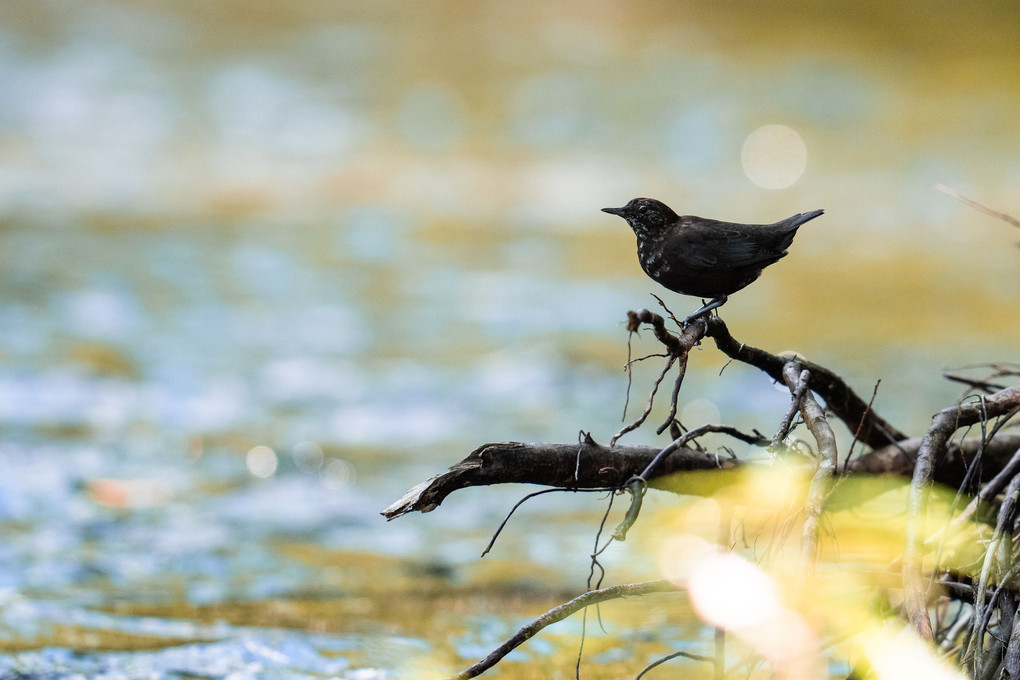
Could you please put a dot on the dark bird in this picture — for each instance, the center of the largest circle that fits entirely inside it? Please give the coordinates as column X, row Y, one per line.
column 702, row 257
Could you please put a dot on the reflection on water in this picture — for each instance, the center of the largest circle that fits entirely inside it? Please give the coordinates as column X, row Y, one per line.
column 266, row 266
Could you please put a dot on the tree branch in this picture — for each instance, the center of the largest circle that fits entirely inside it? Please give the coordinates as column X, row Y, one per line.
column 818, row 426
column 595, row 465
column 611, row 468
column 873, row 430
column 898, row 459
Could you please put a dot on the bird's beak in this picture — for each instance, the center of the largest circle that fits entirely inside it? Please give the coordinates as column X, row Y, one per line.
column 614, row 211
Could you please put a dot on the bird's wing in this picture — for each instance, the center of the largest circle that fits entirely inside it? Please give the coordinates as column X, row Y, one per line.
column 709, row 244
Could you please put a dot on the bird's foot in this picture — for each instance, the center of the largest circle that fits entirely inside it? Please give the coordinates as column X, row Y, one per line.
column 715, row 303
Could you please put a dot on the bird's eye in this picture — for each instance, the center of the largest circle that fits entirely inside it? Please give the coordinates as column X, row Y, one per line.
column 642, row 209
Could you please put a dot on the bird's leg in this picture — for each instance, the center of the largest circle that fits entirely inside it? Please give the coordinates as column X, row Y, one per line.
column 713, row 304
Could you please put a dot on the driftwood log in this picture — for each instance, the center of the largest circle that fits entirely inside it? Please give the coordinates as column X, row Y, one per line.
column 985, row 464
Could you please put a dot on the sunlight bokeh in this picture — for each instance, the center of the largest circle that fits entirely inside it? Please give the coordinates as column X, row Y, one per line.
column 737, row 554
column 261, row 461
column 774, row 157
column 894, row 652
column 729, row 592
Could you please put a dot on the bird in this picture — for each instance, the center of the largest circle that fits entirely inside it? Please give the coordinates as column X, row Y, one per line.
column 703, row 257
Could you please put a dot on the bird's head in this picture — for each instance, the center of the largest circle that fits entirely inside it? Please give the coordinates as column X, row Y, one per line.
column 645, row 215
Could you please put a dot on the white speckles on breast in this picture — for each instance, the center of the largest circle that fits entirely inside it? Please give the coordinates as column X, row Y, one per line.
column 651, row 261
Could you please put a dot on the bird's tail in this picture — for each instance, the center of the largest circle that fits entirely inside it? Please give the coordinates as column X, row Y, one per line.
column 792, row 223
column 787, row 228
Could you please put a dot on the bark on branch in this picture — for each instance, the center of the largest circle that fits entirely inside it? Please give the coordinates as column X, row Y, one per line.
column 818, row 426
column 595, row 466
column 603, row 467
column 872, row 429
column 950, row 466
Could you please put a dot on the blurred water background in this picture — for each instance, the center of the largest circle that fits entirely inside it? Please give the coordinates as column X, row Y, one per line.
column 268, row 264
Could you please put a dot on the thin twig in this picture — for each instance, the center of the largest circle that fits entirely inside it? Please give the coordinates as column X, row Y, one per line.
column 670, row 657
column 958, row 627
column 983, row 385
column 602, row 572
column 999, row 370
column 521, row 502
column 673, row 398
column 989, row 490
column 756, row 439
column 1008, row 219
column 558, row 614
column 598, row 551
column 646, row 358
column 667, row 310
column 630, row 376
column 648, row 406
column 678, row 347
column 638, row 484
column 857, row 432
column 1000, row 422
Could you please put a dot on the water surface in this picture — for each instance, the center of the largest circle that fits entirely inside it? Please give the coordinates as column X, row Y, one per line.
column 266, row 266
